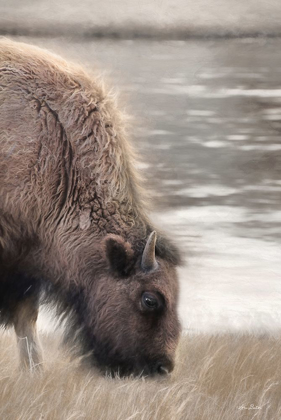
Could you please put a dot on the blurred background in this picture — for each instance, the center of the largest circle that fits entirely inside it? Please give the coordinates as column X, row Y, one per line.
column 202, row 81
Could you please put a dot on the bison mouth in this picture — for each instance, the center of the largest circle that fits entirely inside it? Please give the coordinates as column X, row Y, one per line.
column 122, row 367
column 116, row 364
column 139, row 370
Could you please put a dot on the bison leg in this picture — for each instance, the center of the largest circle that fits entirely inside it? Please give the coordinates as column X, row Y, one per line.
column 25, row 327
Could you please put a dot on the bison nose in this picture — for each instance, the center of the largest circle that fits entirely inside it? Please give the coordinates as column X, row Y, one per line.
column 163, row 368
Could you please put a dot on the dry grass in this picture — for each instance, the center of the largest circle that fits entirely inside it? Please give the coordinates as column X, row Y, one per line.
column 214, row 377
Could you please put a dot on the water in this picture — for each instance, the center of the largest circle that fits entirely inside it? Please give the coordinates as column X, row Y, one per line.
column 207, row 123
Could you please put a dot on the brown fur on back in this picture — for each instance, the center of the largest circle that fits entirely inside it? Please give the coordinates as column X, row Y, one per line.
column 69, row 128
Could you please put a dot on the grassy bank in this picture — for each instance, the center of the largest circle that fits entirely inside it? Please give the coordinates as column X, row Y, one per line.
column 218, row 377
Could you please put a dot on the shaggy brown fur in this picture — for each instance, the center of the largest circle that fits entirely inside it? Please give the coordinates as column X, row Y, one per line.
column 72, row 215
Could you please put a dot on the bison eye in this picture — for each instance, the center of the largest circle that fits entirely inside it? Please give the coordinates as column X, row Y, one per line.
column 151, row 301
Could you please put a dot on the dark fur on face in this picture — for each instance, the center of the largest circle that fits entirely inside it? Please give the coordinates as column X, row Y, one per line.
column 73, row 218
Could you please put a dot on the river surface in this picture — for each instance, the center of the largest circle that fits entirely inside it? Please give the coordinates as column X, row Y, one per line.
column 207, row 122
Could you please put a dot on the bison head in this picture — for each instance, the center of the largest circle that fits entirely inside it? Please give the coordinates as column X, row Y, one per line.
column 130, row 310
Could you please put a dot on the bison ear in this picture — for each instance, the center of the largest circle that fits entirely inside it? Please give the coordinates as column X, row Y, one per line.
column 119, row 255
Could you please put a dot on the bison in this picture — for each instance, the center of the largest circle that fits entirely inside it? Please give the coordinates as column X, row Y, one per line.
column 74, row 226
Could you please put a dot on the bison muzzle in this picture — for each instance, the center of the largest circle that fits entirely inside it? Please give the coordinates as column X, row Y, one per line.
column 74, row 228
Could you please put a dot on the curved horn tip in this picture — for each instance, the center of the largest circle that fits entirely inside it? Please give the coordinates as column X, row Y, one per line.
column 148, row 262
column 153, row 235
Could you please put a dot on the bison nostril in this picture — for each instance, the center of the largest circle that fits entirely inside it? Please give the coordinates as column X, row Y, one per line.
column 162, row 370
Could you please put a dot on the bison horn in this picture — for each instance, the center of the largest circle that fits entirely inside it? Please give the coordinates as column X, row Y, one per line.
column 148, row 261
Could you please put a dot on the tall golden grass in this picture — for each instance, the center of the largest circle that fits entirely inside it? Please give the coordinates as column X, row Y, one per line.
column 227, row 377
